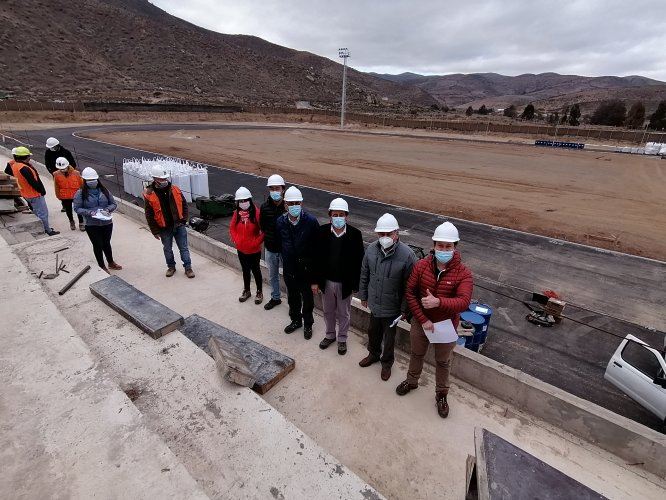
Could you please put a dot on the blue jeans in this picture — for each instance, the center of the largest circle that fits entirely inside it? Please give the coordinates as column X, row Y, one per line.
column 273, row 263
column 39, row 208
column 179, row 233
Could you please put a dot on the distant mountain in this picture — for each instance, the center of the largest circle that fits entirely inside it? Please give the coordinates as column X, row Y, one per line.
column 545, row 89
column 130, row 49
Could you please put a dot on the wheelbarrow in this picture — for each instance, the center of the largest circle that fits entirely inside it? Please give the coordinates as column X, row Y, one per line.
column 216, row 206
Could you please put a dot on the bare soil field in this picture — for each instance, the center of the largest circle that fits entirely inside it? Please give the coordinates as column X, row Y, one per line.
column 582, row 196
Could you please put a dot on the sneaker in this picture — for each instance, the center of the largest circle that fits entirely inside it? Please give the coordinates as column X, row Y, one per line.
column 259, row 298
column 245, row 294
column 386, row 373
column 292, row 327
column 367, row 361
column 115, row 266
column 189, row 273
column 307, row 332
column 62, row 209
column 52, row 232
column 442, row 405
column 82, row 227
column 170, row 272
column 325, row 343
column 272, row 303
column 404, row 388
column 72, row 225
column 342, row 348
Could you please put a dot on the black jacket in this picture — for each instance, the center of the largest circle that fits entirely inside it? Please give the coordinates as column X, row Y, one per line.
column 50, row 158
column 268, row 216
column 352, row 257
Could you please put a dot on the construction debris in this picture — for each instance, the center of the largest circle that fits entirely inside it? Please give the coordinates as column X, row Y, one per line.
column 74, row 280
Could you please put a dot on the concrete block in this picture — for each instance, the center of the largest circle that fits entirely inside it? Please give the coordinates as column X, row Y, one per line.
column 230, row 363
column 269, row 366
column 22, row 223
column 152, row 317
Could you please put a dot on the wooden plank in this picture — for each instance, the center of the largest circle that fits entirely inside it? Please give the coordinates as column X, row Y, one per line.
column 152, row 317
column 4, row 176
column 268, row 365
column 230, row 363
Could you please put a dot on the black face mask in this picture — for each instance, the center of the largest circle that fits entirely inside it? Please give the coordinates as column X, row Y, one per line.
column 161, row 184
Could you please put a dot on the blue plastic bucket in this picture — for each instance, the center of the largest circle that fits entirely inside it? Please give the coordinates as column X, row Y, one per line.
column 479, row 323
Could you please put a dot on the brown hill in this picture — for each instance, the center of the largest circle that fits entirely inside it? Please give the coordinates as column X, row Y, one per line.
column 130, row 49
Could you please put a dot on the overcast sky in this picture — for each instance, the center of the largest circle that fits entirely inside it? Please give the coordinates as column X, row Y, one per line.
column 510, row 37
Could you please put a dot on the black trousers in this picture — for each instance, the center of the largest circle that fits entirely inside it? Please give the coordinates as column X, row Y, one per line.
column 67, row 205
column 378, row 333
column 250, row 264
column 299, row 294
column 100, row 237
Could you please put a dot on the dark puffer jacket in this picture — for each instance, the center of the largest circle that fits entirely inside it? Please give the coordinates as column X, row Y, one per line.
column 268, row 217
column 297, row 244
column 50, row 158
column 453, row 286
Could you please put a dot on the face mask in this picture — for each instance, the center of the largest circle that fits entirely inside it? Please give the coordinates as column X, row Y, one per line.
column 386, row 241
column 443, row 256
column 54, row 148
column 276, row 195
column 91, row 184
column 244, row 205
column 295, row 210
column 161, row 184
column 338, row 222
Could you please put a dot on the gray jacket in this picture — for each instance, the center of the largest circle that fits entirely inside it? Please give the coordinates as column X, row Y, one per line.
column 383, row 279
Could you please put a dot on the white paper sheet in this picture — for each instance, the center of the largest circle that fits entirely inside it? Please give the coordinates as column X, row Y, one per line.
column 102, row 215
column 395, row 321
column 444, row 333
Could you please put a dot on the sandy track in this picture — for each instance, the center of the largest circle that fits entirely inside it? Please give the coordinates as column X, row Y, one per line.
column 560, row 193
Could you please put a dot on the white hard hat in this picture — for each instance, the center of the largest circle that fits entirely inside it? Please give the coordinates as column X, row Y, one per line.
column 62, row 163
column 386, row 223
column 293, row 194
column 89, row 174
column 275, row 180
column 52, row 142
column 159, row 172
column 446, row 232
column 13, row 151
column 243, row 193
column 339, row 204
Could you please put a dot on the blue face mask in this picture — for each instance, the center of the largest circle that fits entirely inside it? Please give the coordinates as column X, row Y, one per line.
column 443, row 256
column 295, row 210
column 276, row 195
column 338, row 222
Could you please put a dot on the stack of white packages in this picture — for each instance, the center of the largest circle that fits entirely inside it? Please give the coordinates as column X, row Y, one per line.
column 655, row 148
column 191, row 178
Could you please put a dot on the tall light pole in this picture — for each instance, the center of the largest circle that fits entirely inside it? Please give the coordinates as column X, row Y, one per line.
column 344, row 54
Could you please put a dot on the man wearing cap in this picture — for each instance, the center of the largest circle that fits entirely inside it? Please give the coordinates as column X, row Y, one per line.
column 297, row 231
column 269, row 212
column 166, row 213
column 386, row 266
column 31, row 186
column 439, row 289
column 336, row 271
column 55, row 150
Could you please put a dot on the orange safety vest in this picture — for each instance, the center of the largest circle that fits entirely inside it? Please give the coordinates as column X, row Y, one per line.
column 66, row 186
column 27, row 191
column 154, row 201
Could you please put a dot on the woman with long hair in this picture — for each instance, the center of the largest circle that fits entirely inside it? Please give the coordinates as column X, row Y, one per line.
column 96, row 204
column 248, row 237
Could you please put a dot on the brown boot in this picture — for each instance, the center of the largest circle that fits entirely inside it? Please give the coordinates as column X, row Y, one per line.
column 442, row 405
column 244, row 296
column 115, row 266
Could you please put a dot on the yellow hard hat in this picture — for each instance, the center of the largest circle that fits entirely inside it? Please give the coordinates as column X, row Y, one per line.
column 22, row 151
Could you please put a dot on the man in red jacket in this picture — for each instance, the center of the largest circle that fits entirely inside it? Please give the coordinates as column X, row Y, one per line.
column 439, row 289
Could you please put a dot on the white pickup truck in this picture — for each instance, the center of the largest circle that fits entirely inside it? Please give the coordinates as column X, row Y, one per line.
column 639, row 371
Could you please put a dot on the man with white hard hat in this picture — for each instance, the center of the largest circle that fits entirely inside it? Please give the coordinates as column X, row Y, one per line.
column 337, row 269
column 269, row 212
column 385, row 269
column 438, row 290
column 166, row 213
column 297, row 231
column 55, row 150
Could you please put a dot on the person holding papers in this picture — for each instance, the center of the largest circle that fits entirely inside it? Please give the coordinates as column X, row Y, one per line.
column 438, row 290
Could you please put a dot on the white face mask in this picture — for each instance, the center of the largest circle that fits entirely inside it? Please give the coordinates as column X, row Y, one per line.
column 244, row 205
column 386, row 241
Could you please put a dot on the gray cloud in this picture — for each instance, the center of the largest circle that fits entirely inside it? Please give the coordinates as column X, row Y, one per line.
column 511, row 37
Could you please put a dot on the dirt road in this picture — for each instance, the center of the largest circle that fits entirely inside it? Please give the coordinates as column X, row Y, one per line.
column 560, row 193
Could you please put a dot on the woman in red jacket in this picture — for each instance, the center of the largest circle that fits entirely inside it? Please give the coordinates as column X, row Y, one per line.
column 247, row 236
column 438, row 289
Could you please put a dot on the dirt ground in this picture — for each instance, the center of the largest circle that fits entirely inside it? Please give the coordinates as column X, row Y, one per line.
column 609, row 200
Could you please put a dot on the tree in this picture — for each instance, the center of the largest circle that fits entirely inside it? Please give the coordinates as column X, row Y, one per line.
column 574, row 115
column 658, row 118
column 611, row 113
column 483, row 110
column 469, row 111
column 565, row 115
column 636, row 115
column 510, row 111
column 528, row 112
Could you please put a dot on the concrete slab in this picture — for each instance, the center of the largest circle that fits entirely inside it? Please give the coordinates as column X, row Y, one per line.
column 145, row 312
column 269, row 366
